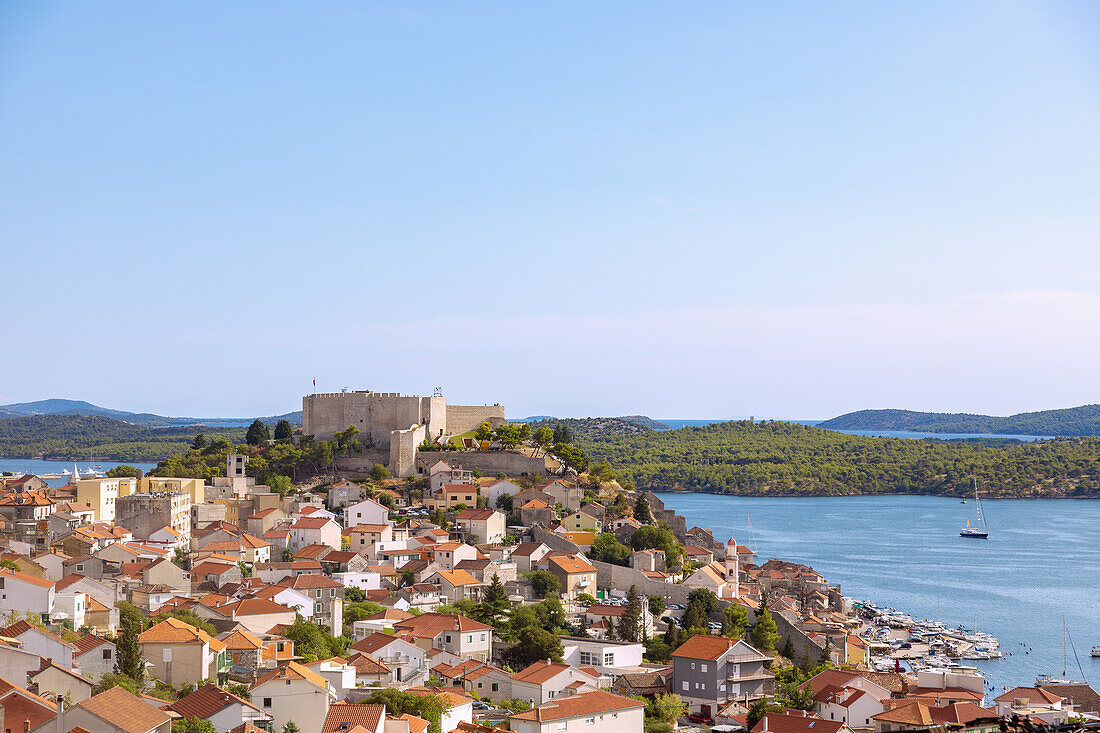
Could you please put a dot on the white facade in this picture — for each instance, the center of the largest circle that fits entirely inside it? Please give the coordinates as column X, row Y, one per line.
column 340, row 676
column 619, row 721
column 362, row 581
column 23, row 593
column 606, row 656
column 295, row 699
column 367, row 511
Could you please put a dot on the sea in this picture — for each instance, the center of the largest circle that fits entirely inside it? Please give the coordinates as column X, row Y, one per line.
column 1040, row 565
column 675, row 423
column 21, row 466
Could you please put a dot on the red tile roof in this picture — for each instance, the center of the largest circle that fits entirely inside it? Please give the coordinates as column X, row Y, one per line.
column 583, row 704
column 368, row 716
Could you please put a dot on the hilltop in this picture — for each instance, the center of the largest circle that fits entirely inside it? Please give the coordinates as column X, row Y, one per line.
column 1072, row 421
column 57, row 406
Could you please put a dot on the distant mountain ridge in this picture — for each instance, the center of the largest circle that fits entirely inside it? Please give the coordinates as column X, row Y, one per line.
column 57, row 406
column 1069, row 422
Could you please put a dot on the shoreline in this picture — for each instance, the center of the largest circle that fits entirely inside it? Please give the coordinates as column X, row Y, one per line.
column 960, row 497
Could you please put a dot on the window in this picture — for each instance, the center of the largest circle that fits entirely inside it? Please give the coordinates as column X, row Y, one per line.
column 331, row 592
column 483, row 637
column 693, row 665
column 317, row 608
column 562, row 726
column 608, row 659
column 589, row 659
column 702, row 668
column 495, row 687
column 470, row 639
column 685, row 686
column 267, row 702
column 106, row 653
column 589, row 721
column 448, row 638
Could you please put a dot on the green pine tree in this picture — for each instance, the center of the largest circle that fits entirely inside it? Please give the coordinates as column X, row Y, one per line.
column 764, row 632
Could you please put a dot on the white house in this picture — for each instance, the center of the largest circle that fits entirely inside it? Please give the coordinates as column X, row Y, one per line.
column 582, row 713
column 545, row 680
column 21, row 592
column 225, row 710
column 608, row 657
column 406, row 659
column 42, row 642
column 293, row 692
column 338, row 674
column 309, row 531
column 362, row 581
column 367, row 511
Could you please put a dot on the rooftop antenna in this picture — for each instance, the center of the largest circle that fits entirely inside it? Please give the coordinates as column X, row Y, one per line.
column 344, row 389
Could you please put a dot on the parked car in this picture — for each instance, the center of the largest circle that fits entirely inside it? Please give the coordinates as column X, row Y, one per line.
column 479, row 705
column 700, row 718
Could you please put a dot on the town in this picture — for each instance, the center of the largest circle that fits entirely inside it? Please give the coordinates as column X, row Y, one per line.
column 444, row 570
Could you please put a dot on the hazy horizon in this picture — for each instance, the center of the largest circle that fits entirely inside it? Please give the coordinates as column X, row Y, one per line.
column 714, row 209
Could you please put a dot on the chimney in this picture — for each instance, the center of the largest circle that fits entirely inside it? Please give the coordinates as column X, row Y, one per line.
column 765, row 721
column 26, row 725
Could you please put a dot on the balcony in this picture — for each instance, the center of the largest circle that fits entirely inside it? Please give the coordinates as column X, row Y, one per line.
column 760, row 675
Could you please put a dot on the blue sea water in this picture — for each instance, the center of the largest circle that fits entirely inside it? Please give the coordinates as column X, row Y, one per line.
column 28, row 465
column 1041, row 561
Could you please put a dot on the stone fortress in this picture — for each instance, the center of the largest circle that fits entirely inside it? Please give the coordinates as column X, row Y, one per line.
column 394, row 421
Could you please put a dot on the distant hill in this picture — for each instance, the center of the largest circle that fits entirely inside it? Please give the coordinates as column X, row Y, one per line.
column 1070, row 422
column 646, row 421
column 592, row 422
column 57, row 406
column 76, row 437
column 596, row 427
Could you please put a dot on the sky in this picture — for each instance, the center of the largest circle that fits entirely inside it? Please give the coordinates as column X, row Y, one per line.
column 687, row 211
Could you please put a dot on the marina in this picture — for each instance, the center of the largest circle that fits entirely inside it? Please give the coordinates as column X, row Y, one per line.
column 905, row 553
column 896, row 637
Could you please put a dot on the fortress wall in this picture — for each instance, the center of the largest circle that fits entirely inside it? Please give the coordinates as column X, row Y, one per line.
column 463, row 418
column 326, row 414
column 490, row 462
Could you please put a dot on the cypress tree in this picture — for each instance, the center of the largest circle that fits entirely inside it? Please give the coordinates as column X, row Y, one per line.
column 128, row 655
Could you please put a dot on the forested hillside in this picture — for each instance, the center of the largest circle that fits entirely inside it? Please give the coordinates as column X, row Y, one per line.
column 72, row 437
column 789, row 459
column 1072, row 421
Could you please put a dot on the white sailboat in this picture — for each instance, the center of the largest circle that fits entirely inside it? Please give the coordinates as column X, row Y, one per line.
column 979, row 530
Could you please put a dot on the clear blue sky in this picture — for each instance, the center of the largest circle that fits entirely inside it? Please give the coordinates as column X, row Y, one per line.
column 708, row 210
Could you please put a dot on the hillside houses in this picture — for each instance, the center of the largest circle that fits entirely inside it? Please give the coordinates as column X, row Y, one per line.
column 318, row 557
